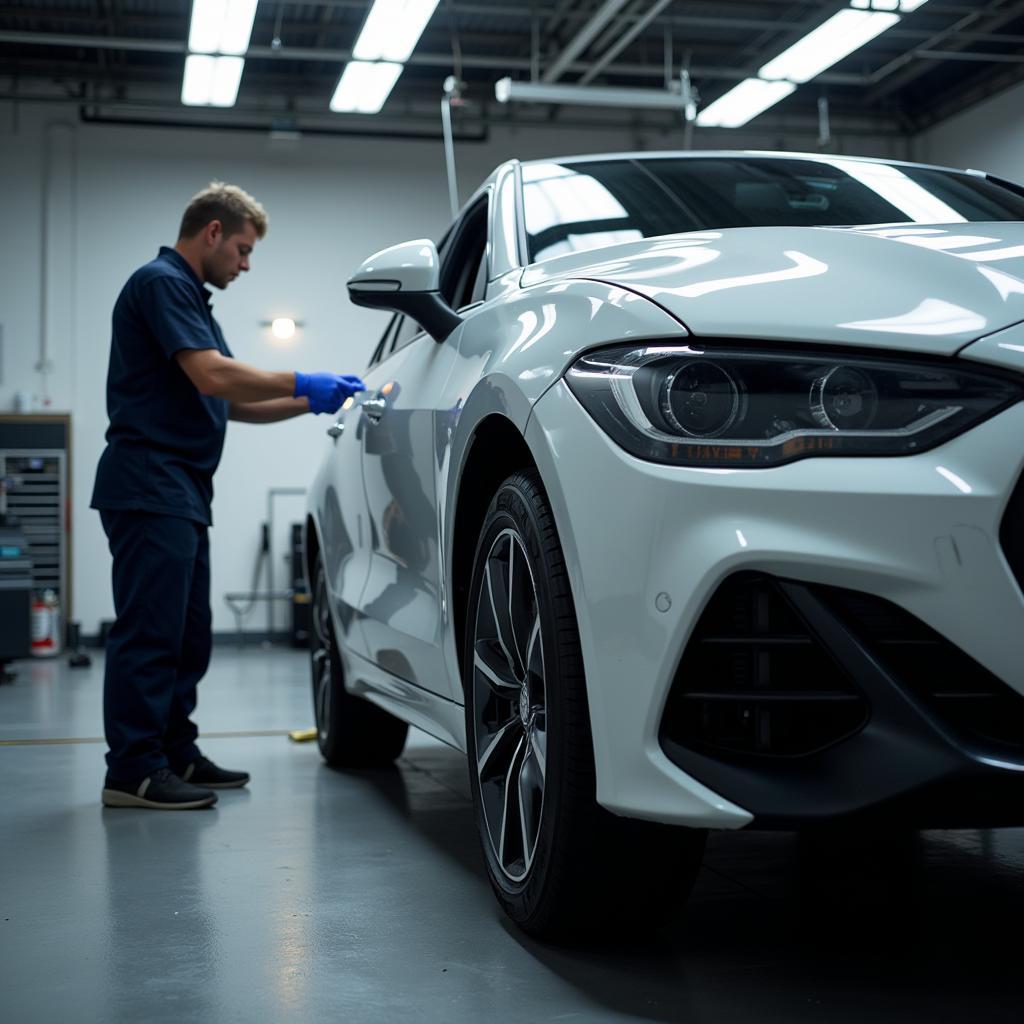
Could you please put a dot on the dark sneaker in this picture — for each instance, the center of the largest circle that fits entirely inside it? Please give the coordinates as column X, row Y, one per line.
column 161, row 791
column 203, row 772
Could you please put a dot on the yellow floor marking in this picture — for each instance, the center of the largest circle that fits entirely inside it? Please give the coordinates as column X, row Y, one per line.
column 100, row 739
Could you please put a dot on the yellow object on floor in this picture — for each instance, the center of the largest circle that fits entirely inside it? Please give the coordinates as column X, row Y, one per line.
column 302, row 735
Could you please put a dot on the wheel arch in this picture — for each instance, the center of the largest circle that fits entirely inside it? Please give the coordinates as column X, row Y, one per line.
column 496, row 451
column 310, row 550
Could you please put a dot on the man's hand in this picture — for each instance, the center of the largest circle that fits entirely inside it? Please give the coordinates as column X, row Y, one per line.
column 326, row 391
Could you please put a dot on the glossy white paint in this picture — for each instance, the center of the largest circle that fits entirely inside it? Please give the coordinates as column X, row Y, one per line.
column 408, row 267
column 401, row 604
column 1004, row 348
column 892, row 527
column 914, row 288
column 920, row 531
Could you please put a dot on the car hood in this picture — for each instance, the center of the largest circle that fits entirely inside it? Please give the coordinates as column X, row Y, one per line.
column 924, row 288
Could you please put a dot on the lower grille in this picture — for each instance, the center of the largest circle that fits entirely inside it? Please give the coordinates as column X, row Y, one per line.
column 966, row 697
column 755, row 681
column 1011, row 533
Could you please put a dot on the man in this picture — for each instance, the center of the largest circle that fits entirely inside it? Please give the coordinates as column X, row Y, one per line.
column 171, row 387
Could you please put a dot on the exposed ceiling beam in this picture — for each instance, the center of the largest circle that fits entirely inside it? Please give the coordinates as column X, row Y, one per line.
column 616, row 48
column 982, row 58
column 563, row 9
column 629, row 15
column 169, row 22
column 442, row 60
column 582, row 39
column 956, row 101
column 903, row 70
column 425, row 113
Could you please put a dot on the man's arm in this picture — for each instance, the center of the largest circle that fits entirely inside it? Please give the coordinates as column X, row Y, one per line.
column 216, row 376
column 271, row 411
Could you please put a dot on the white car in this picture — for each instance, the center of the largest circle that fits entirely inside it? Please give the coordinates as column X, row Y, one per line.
column 686, row 494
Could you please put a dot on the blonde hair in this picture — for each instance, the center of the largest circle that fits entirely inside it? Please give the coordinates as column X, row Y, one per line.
column 229, row 204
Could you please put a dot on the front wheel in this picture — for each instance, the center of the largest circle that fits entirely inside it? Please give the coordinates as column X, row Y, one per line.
column 557, row 861
column 351, row 732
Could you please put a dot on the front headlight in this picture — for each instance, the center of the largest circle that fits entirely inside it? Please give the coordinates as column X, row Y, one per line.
column 697, row 406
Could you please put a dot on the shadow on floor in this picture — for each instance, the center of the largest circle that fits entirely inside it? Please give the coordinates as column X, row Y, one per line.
column 783, row 926
column 413, row 791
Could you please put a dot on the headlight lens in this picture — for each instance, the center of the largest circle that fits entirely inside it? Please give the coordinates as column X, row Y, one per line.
column 686, row 405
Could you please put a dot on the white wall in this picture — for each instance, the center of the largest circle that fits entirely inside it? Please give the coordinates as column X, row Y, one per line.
column 988, row 137
column 111, row 195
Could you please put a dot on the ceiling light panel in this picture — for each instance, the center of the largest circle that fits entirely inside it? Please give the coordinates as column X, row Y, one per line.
column 363, row 87
column 829, row 43
column 392, row 29
column 903, row 6
column 211, row 81
column 843, row 33
column 743, row 103
column 221, row 26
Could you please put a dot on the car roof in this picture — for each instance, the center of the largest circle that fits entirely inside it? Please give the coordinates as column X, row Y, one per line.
column 690, row 154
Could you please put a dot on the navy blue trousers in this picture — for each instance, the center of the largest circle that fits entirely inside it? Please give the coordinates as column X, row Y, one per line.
column 159, row 646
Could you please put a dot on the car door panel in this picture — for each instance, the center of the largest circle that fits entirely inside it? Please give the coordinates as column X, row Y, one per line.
column 402, row 602
column 343, row 527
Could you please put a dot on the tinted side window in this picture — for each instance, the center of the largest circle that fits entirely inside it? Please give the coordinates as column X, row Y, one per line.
column 384, row 345
column 480, row 286
column 407, row 330
column 464, row 257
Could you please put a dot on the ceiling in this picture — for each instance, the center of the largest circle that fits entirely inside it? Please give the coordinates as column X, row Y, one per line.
column 124, row 58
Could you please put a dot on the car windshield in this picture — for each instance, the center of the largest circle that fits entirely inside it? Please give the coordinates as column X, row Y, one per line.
column 574, row 206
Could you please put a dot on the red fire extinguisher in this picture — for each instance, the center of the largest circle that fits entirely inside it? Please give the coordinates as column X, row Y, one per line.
column 45, row 624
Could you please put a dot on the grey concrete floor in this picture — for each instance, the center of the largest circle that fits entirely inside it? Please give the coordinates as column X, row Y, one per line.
column 318, row 895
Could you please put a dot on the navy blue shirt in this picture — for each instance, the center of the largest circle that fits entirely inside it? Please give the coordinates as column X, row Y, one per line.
column 165, row 438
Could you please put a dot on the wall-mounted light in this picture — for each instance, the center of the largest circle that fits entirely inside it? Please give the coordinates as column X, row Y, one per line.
column 283, row 328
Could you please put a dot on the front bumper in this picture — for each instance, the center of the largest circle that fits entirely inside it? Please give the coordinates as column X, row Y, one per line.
column 648, row 545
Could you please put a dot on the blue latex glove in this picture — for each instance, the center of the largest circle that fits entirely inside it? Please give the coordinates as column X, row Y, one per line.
column 326, row 391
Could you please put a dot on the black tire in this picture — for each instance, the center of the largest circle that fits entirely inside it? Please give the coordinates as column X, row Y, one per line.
column 574, row 867
column 351, row 732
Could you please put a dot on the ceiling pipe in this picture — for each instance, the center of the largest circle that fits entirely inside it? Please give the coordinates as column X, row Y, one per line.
column 583, row 39
column 616, row 48
column 313, row 55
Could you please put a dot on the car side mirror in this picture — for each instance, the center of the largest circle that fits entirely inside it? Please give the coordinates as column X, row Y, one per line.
column 406, row 279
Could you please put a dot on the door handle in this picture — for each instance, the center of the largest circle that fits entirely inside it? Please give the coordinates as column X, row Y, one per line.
column 336, row 430
column 374, row 408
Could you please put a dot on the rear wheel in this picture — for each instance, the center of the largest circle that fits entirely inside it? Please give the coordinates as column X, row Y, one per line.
column 351, row 732
column 557, row 861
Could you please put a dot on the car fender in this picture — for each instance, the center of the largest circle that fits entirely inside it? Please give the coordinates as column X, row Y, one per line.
column 511, row 352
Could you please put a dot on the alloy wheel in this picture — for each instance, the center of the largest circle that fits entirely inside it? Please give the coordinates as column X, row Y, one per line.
column 323, row 643
column 510, row 705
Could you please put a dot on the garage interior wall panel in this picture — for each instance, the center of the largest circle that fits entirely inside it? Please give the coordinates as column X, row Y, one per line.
column 83, row 205
column 988, row 137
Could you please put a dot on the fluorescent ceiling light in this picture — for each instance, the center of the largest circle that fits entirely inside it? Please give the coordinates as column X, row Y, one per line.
column 363, row 87
column 221, row 26
column 211, row 81
column 392, row 29
column 903, row 6
column 829, row 43
column 743, row 103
